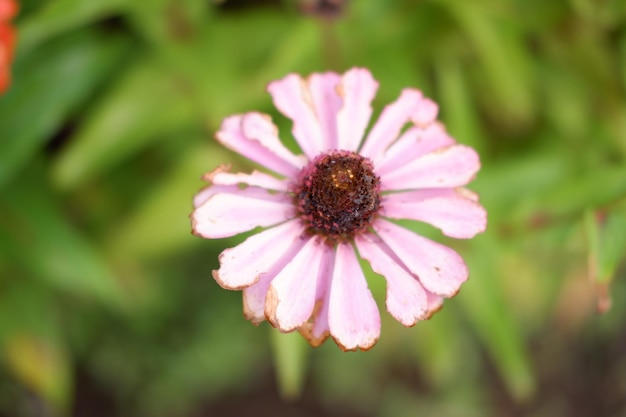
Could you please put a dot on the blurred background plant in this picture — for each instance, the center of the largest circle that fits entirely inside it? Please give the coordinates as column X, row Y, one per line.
column 107, row 305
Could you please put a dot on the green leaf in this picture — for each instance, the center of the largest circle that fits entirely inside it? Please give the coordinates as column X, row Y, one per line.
column 509, row 183
column 292, row 51
column 144, row 105
column 458, row 109
column 580, row 192
column 42, row 366
column 606, row 242
column 612, row 245
column 215, row 353
column 493, row 321
column 49, row 85
column 44, row 244
column 54, row 17
column 504, row 60
column 32, row 348
column 167, row 207
column 268, row 48
column 566, row 102
column 442, row 350
column 593, row 242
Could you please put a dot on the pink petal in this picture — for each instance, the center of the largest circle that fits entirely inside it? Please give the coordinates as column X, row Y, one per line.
column 224, row 187
column 414, row 143
column 446, row 209
column 469, row 194
column 353, row 316
column 238, row 210
column 255, row 179
column 390, row 123
column 406, row 298
column 440, row 269
column 243, row 265
column 254, row 298
column 291, row 296
column 207, row 192
column 327, row 104
column 453, row 166
column 316, row 330
column 426, row 113
column 435, row 303
column 255, row 295
column 357, row 89
column 224, row 182
column 254, row 136
column 293, row 98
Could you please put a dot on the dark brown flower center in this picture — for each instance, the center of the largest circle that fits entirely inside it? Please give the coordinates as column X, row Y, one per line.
column 337, row 195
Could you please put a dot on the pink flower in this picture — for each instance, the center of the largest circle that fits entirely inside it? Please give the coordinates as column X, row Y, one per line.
column 323, row 207
column 8, row 10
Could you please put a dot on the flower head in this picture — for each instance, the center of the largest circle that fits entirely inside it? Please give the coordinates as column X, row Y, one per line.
column 8, row 10
column 323, row 209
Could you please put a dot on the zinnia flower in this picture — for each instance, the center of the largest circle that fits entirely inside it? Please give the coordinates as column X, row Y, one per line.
column 8, row 10
column 335, row 200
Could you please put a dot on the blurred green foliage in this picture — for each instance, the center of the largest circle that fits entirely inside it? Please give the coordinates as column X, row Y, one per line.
column 107, row 129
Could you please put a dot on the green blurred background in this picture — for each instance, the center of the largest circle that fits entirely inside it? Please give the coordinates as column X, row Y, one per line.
column 107, row 305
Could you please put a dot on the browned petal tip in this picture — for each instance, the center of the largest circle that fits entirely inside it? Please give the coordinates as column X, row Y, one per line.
column 365, row 347
column 193, row 226
column 249, row 314
column 432, row 312
column 208, row 177
column 218, row 279
column 306, row 330
column 416, row 320
column 271, row 302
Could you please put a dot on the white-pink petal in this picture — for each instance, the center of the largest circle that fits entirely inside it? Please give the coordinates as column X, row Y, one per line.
column 390, row 123
column 291, row 296
column 293, row 98
column 317, row 330
column 440, row 269
column 357, row 89
column 353, row 316
column 254, row 136
column 469, row 194
column 254, row 298
column 222, row 176
column 229, row 213
column 413, row 143
column 243, row 265
column 327, row 104
column 426, row 113
column 407, row 300
column 255, row 295
column 435, row 303
column 223, row 181
column 206, row 193
column 453, row 166
column 447, row 209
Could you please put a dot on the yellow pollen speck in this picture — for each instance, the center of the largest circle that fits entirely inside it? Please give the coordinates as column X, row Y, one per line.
column 337, row 178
